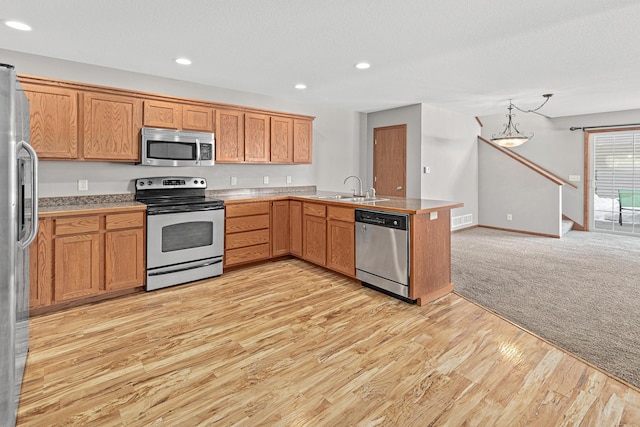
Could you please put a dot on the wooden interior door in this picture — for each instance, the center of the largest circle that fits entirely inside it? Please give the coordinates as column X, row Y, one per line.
column 390, row 160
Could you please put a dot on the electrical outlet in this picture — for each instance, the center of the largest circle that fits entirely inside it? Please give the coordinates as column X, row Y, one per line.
column 234, row 180
column 83, row 185
column 426, row 169
column 265, row 179
column 509, row 217
column 574, row 178
column 288, row 179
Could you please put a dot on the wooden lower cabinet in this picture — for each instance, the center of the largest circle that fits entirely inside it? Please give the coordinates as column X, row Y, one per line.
column 77, row 266
column 247, row 233
column 280, row 228
column 81, row 256
column 295, row 228
column 314, row 233
column 341, row 245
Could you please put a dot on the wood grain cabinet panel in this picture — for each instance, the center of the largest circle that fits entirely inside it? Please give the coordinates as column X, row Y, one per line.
column 257, row 137
column 40, row 266
column 280, row 242
column 229, row 136
column 53, row 121
column 341, row 246
column 247, row 232
column 302, row 141
column 198, row 118
column 314, row 236
column 295, row 228
column 111, row 127
column 124, row 259
column 281, row 140
column 162, row 114
column 77, row 266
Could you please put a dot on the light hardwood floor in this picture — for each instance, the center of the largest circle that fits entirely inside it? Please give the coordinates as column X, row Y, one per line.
column 290, row 344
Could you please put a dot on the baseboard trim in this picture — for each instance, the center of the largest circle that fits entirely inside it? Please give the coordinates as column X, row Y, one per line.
column 521, row 231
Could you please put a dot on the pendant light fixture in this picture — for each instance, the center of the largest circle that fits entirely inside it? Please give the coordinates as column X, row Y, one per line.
column 511, row 135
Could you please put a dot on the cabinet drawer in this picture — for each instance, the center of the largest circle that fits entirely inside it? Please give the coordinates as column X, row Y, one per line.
column 75, row 225
column 315, row 209
column 248, row 238
column 247, row 209
column 246, row 223
column 342, row 214
column 125, row 220
column 248, row 254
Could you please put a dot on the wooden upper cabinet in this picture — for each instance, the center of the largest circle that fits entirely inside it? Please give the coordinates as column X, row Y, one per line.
column 302, row 140
column 229, row 136
column 54, row 121
column 257, row 138
column 281, row 140
column 111, row 127
column 198, row 118
column 162, row 114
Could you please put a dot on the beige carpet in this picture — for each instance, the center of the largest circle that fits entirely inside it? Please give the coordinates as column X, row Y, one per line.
column 581, row 292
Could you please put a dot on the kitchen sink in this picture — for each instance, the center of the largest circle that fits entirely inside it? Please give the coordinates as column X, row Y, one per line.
column 332, row 197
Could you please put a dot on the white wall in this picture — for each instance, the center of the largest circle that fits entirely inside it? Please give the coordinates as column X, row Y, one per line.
column 509, row 187
column 450, row 151
column 336, row 135
column 558, row 149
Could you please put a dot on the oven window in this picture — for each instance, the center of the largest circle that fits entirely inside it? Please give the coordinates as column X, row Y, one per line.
column 187, row 235
column 171, row 150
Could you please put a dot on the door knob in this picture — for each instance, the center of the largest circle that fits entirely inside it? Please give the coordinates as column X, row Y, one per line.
column 399, row 187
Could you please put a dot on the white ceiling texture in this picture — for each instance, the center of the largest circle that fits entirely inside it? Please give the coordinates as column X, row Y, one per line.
column 469, row 56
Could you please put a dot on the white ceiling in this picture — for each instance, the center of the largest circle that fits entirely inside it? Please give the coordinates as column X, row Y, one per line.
column 462, row 55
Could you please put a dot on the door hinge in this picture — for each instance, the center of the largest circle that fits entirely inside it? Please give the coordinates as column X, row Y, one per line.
column 375, row 142
column 375, row 179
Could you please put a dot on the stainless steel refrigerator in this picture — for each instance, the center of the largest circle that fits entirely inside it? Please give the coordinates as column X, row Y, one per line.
column 18, row 228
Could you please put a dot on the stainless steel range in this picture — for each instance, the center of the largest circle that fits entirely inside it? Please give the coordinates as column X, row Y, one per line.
column 185, row 230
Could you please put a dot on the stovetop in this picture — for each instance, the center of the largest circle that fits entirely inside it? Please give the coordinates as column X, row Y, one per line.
column 175, row 194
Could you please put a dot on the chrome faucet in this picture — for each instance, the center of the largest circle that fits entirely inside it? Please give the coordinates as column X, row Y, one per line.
column 360, row 194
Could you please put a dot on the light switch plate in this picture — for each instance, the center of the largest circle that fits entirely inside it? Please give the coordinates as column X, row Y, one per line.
column 574, row 178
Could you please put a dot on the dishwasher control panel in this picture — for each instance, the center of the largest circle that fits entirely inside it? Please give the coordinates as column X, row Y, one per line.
column 388, row 220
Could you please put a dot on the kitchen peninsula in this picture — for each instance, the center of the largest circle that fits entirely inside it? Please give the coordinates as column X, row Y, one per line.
column 260, row 225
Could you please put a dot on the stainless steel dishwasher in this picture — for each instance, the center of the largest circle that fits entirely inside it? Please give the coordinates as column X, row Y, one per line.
column 382, row 252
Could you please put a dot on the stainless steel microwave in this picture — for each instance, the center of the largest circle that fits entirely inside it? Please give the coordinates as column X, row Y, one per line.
column 167, row 147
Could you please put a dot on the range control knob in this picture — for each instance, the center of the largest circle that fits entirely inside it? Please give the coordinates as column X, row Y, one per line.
column 202, row 182
column 141, row 183
column 149, row 182
column 195, row 181
column 395, row 222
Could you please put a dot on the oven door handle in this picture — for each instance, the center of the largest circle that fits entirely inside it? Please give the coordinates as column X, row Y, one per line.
column 206, row 264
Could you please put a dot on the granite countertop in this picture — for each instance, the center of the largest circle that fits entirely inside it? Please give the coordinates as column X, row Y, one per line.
column 87, row 204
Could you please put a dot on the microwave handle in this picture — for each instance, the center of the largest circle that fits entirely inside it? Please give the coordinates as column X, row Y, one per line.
column 197, row 150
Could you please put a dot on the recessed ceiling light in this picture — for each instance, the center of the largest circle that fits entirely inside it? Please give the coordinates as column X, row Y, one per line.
column 300, row 86
column 183, row 61
column 363, row 65
column 17, row 25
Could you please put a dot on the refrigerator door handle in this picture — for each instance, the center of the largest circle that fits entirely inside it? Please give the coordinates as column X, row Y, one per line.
column 34, row 193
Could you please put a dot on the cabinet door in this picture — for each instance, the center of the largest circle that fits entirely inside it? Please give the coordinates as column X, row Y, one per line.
column 162, row 114
column 111, row 127
column 53, row 121
column 302, row 141
column 341, row 247
column 256, row 138
column 314, row 238
column 295, row 230
column 124, row 262
column 229, row 136
column 77, row 266
column 197, row 118
column 280, row 228
column 40, row 266
column 281, row 140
